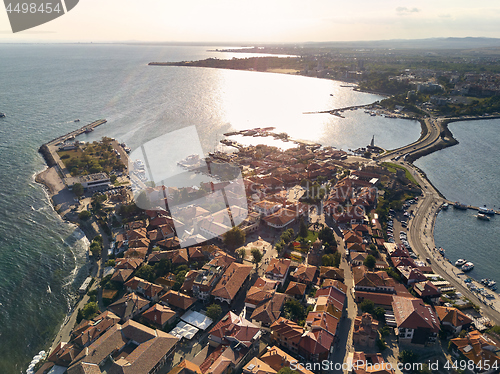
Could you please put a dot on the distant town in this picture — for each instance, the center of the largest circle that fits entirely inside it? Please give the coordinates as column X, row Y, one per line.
column 326, row 262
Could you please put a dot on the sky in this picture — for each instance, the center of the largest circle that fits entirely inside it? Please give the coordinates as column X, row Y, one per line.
column 267, row 21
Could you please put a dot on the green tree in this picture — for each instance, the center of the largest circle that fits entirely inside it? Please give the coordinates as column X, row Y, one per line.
column 214, row 311
column 327, row 260
column 242, row 253
column 370, row 262
column 142, row 201
column 256, row 256
column 110, row 263
column 326, row 235
column 303, row 229
column 367, row 306
column 84, row 215
column 294, row 310
column 408, row 356
column 234, row 238
column 78, row 189
column 287, row 370
column 113, row 178
column 336, row 259
column 379, row 313
column 381, row 344
column 146, row 272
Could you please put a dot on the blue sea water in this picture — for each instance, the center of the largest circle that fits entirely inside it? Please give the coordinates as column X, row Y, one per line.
column 45, row 87
column 469, row 172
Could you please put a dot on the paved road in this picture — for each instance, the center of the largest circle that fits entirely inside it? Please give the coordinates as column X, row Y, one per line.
column 434, row 128
column 421, row 238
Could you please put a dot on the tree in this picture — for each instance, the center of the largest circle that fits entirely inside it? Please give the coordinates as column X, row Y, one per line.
column 146, row 272
column 234, row 237
column 336, row 259
column 370, row 262
column 381, row 344
column 327, row 260
column 407, row 356
column 256, row 256
column 303, row 229
column 326, row 235
column 379, row 313
column 294, row 310
column 367, row 306
column 142, row 201
column 113, row 178
column 78, row 189
column 214, row 311
column 242, row 253
column 84, row 215
column 287, row 370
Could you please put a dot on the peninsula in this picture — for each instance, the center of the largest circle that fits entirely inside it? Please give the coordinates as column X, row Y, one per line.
column 316, row 241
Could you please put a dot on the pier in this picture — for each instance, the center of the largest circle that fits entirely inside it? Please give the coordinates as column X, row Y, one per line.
column 335, row 111
column 75, row 133
column 451, row 203
column 49, row 149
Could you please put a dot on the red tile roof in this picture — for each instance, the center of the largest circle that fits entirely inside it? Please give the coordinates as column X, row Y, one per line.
column 412, row 313
column 235, row 328
column 231, row 281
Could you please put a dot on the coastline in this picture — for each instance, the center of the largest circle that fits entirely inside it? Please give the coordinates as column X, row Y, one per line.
column 52, row 184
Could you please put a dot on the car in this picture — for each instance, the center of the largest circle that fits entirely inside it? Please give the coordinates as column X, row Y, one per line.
column 391, row 240
column 428, row 260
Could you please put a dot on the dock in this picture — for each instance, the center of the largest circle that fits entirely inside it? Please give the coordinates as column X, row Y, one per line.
column 471, row 207
column 335, row 111
column 49, row 149
column 75, row 133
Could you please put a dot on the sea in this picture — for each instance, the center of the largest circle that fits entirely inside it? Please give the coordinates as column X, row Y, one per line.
column 45, row 87
column 469, row 172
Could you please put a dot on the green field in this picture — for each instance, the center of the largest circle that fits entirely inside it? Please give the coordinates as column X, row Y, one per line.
column 392, row 168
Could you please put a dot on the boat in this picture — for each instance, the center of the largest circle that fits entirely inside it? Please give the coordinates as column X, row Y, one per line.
column 441, row 251
column 468, row 266
column 89, row 129
column 76, row 120
column 460, row 262
column 483, row 217
column 491, row 283
column 2, row 115
column 459, row 206
column 484, row 210
column 445, row 206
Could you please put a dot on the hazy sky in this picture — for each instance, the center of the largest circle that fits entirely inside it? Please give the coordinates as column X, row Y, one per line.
column 264, row 21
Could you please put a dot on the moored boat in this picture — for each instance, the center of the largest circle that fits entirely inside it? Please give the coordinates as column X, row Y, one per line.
column 468, row 266
column 460, row 262
column 445, row 206
column 484, row 210
column 459, row 206
column 482, row 217
column 2, row 115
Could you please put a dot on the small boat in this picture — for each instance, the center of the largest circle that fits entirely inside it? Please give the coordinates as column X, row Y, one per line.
column 48, row 289
column 76, row 120
column 445, row 206
column 484, row 210
column 441, row 251
column 484, row 281
column 468, row 266
column 494, row 288
column 460, row 262
column 491, row 283
column 2, row 115
column 482, row 217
